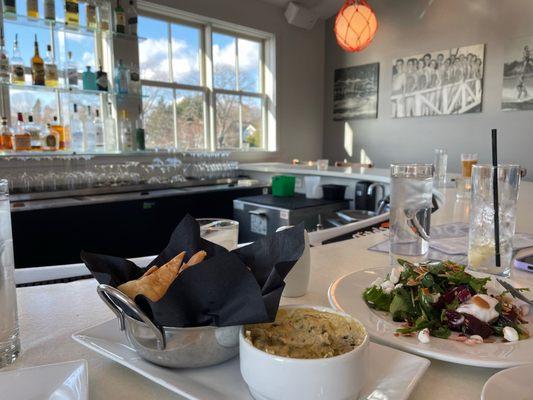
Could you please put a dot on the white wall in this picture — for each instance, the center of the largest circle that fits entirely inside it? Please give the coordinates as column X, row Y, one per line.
column 300, row 72
column 403, row 32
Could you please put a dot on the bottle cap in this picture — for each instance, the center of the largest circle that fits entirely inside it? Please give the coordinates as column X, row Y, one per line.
column 30, row 118
column 49, row 48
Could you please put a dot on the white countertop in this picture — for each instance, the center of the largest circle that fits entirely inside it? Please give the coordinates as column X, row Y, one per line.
column 50, row 314
column 370, row 174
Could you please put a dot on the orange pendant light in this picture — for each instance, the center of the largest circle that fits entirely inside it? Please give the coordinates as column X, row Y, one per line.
column 355, row 25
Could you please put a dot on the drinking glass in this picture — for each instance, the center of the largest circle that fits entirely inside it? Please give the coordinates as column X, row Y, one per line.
column 440, row 164
column 410, row 215
column 322, row 164
column 9, row 330
column 481, row 237
column 224, row 232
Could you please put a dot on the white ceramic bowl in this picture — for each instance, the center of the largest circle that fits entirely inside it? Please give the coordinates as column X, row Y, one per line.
column 271, row 377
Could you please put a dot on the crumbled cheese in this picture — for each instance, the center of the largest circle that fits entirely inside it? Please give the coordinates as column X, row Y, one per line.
column 423, row 336
column 377, row 282
column 435, row 297
column 510, row 334
column 387, row 287
column 394, row 275
column 398, row 285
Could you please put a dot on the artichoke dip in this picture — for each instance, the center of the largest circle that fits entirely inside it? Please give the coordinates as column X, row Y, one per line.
column 306, row 333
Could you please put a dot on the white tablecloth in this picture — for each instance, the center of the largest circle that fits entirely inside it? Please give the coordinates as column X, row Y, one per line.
column 50, row 314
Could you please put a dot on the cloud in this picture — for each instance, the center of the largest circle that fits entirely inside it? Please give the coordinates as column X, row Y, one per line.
column 153, row 57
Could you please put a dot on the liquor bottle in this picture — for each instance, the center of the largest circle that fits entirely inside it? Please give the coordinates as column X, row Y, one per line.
column 126, row 134
column 6, row 136
column 59, row 129
column 91, row 15
column 110, row 132
column 17, row 65
column 120, row 19
column 135, row 79
column 76, row 132
column 104, row 15
column 4, row 61
column 21, row 139
column 72, row 71
column 131, row 12
column 101, row 80
column 140, row 143
column 121, row 78
column 33, row 8
column 98, row 132
column 89, row 79
column 50, row 139
column 10, row 6
column 72, row 13
column 90, row 132
column 34, row 131
column 50, row 10
column 50, row 69
column 37, row 66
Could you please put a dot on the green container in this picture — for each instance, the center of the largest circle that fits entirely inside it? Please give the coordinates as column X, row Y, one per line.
column 283, row 185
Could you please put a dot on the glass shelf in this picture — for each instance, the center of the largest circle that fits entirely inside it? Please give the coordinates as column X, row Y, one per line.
column 73, row 90
column 63, row 27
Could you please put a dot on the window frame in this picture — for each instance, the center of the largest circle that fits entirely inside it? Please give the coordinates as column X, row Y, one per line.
column 207, row 27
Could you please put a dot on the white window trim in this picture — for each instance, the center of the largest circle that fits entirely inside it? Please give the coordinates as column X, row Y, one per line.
column 267, row 78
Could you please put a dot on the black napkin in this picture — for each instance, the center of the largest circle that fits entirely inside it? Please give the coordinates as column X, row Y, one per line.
column 228, row 288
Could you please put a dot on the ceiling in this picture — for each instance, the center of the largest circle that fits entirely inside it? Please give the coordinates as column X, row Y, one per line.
column 322, row 8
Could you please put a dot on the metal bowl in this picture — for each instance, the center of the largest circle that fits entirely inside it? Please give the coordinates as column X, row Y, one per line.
column 170, row 346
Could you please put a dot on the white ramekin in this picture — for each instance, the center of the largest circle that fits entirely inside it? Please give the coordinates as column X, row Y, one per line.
column 271, row 377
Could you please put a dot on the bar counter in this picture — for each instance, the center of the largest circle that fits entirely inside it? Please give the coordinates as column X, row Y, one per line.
column 50, row 314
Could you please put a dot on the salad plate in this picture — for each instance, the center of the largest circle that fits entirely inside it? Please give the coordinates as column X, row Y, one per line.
column 346, row 294
column 63, row 381
column 393, row 374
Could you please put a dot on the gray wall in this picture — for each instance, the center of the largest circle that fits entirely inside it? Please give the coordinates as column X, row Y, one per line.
column 403, row 32
column 300, row 72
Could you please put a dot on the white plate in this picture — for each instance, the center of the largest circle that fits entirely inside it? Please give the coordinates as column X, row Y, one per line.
column 393, row 374
column 345, row 294
column 65, row 381
column 513, row 383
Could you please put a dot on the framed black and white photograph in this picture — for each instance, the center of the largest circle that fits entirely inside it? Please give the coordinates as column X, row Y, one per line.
column 356, row 92
column 517, row 90
column 438, row 83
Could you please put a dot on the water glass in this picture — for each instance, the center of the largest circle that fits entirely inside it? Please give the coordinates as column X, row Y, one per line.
column 481, row 238
column 9, row 330
column 224, row 232
column 410, row 215
column 440, row 164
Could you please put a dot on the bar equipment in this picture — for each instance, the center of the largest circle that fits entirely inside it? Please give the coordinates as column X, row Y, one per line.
column 440, row 164
column 410, row 215
column 9, row 329
column 481, row 243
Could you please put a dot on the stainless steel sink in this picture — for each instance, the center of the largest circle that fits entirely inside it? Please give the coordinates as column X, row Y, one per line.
column 350, row 216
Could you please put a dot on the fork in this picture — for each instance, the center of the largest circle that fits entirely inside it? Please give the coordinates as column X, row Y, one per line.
column 514, row 292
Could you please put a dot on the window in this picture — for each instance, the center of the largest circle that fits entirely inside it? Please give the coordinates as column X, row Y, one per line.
column 204, row 83
column 174, row 97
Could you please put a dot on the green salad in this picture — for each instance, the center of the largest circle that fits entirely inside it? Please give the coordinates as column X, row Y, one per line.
column 439, row 298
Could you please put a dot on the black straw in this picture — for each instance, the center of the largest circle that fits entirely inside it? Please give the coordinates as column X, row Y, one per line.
column 495, row 196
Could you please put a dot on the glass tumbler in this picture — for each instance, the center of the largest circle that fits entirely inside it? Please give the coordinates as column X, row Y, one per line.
column 411, row 204
column 440, row 164
column 481, row 237
column 224, row 232
column 9, row 330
